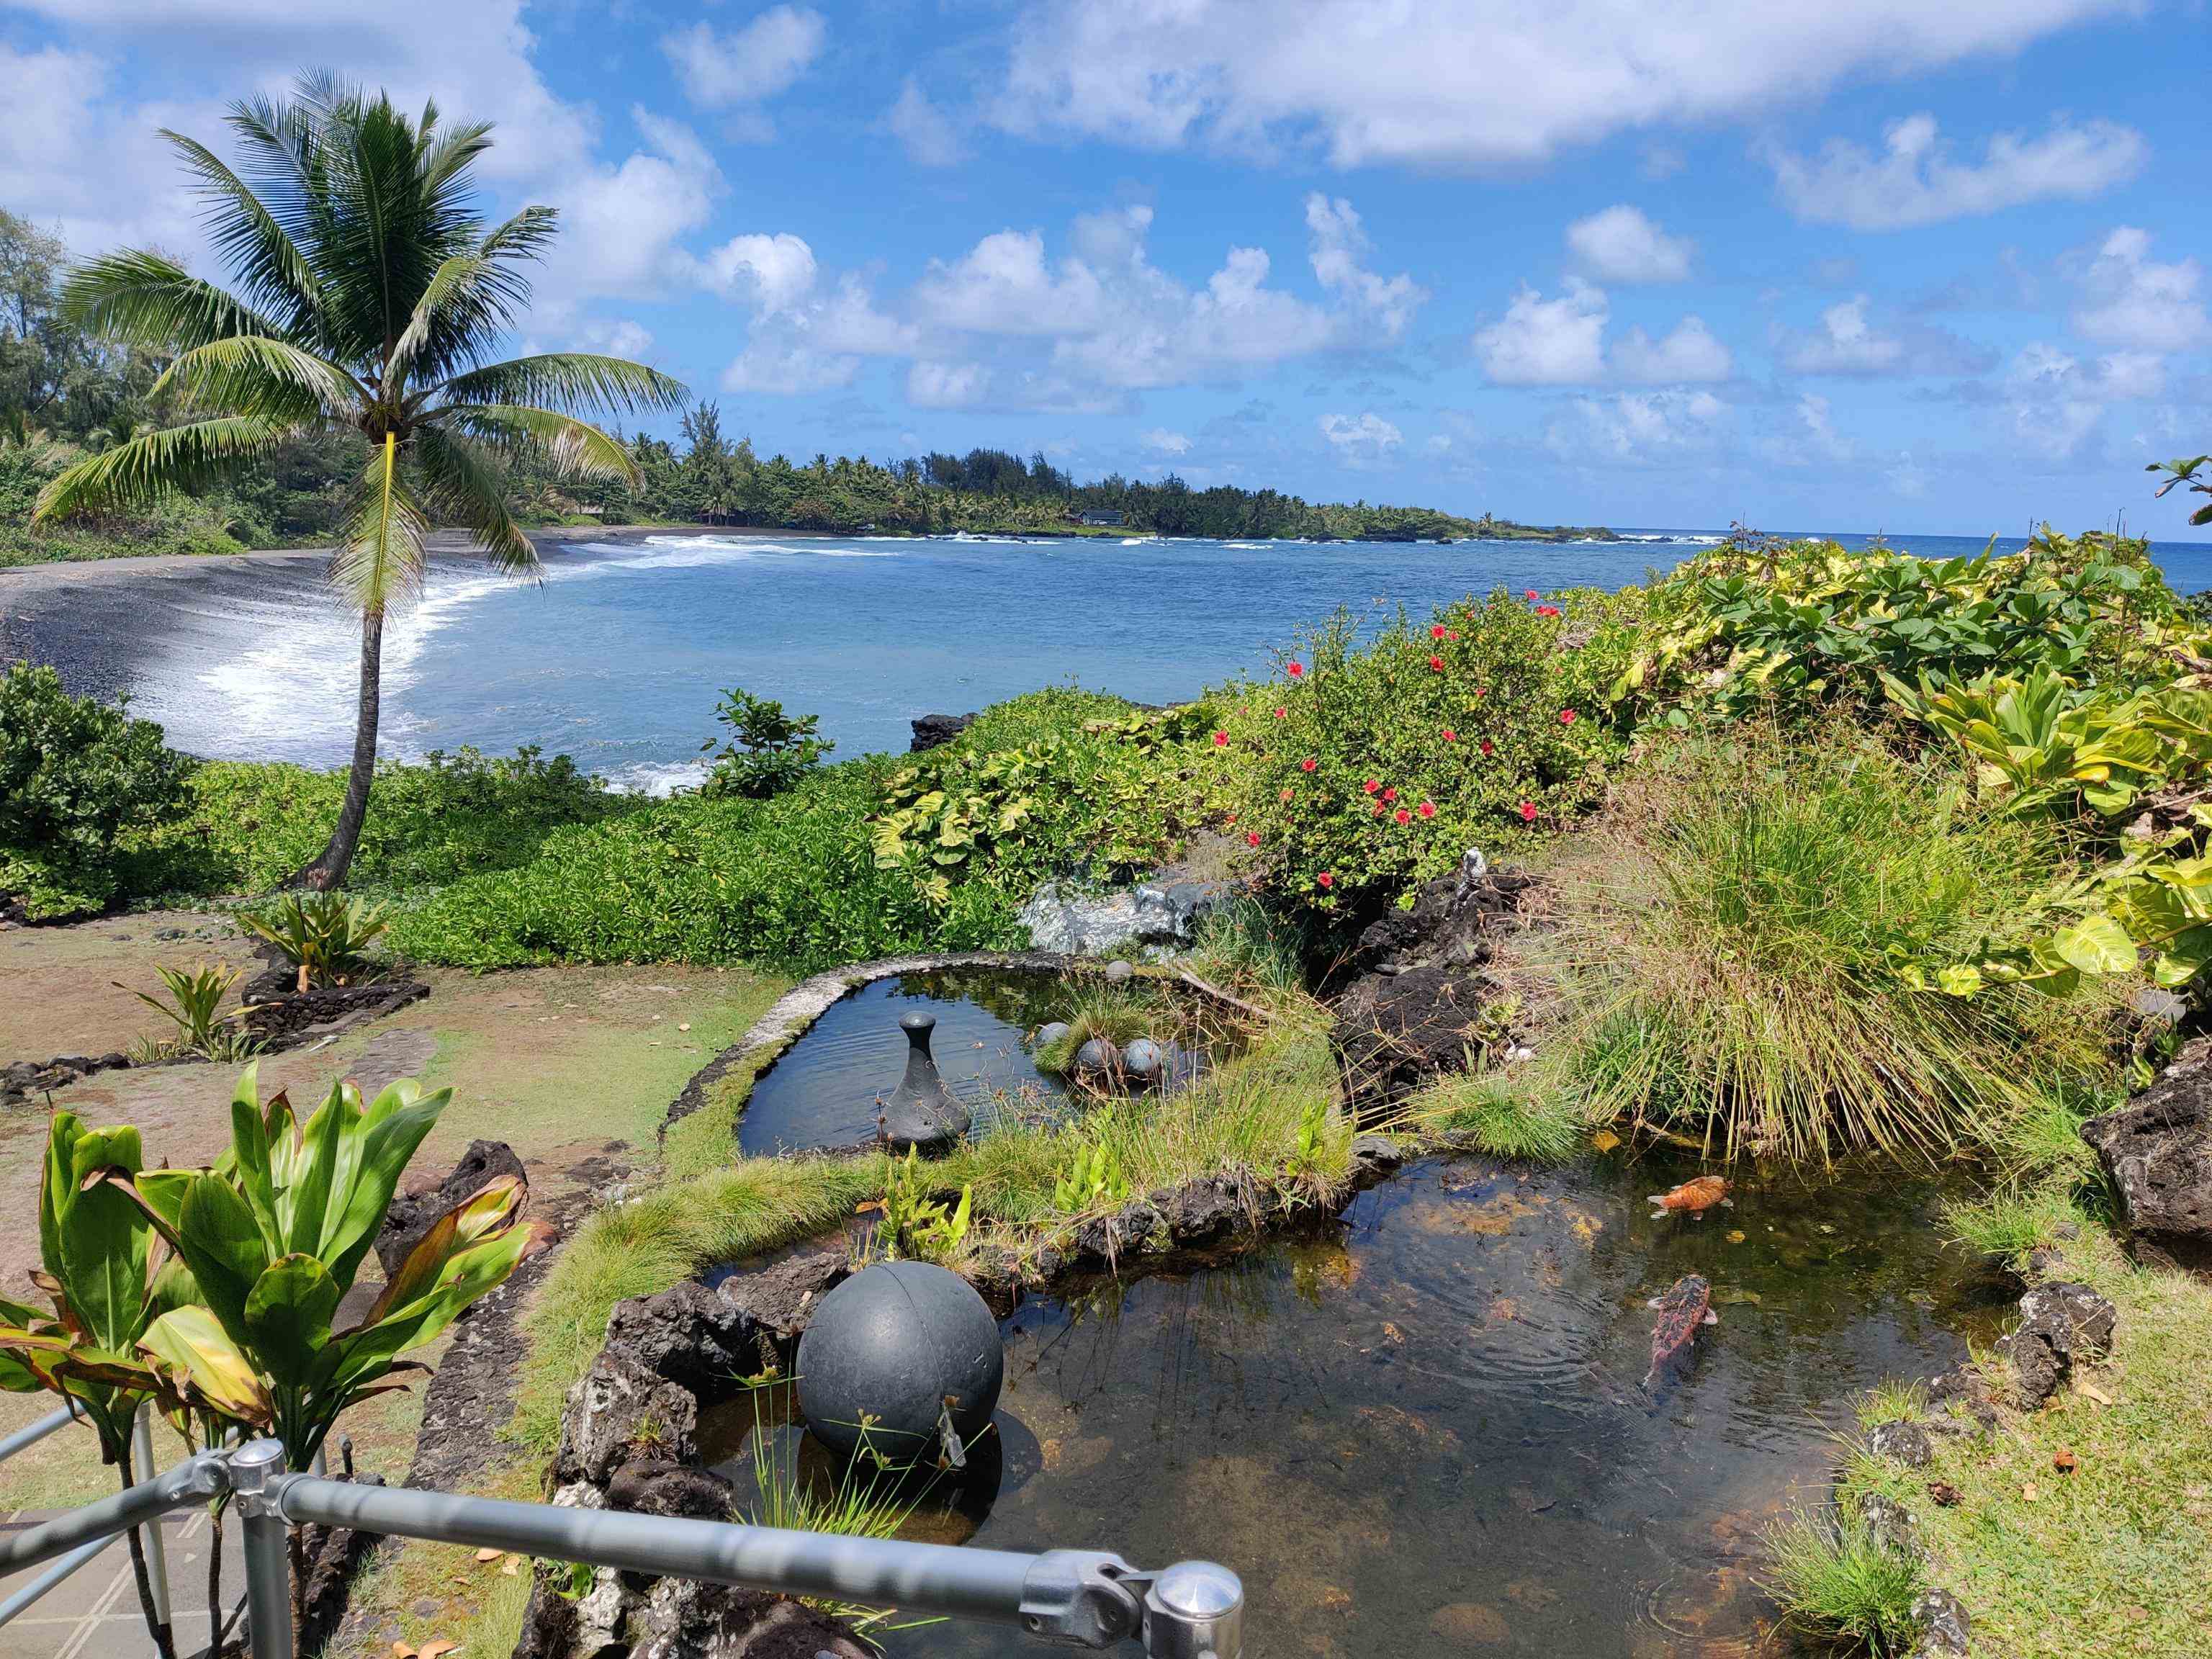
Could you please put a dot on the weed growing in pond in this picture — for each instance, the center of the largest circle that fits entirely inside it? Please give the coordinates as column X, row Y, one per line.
column 1094, row 1181
column 2010, row 1225
column 1507, row 1115
column 912, row 1222
column 1098, row 1010
column 1837, row 1583
column 1243, row 940
column 1728, row 947
column 1892, row 1403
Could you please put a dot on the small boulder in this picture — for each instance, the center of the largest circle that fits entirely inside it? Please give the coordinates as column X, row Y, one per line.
column 1375, row 1155
column 1943, row 1626
column 1050, row 1032
column 2061, row 1325
column 1161, row 914
column 1097, row 1058
column 1143, row 1060
column 1889, row 1523
column 1202, row 1210
column 686, row 1333
column 653, row 1486
column 935, row 731
column 619, row 1410
column 781, row 1297
column 1902, row 1442
column 2157, row 1152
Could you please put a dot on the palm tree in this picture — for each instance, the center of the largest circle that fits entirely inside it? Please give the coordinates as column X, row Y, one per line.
column 366, row 293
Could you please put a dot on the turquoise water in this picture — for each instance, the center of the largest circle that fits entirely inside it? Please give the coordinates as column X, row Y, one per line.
column 616, row 656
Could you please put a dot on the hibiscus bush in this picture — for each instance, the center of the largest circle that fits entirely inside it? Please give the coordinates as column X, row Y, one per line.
column 1374, row 759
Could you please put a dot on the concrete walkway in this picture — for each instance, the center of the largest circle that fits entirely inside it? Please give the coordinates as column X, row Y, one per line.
column 95, row 1613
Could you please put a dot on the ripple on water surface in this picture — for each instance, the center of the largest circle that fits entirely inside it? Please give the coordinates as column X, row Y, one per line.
column 1428, row 1433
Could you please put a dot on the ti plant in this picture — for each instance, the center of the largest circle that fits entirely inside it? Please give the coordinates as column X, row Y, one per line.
column 325, row 936
column 196, row 1001
column 110, row 1291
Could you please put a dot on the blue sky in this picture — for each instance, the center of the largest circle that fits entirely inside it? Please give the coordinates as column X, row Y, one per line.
column 1866, row 264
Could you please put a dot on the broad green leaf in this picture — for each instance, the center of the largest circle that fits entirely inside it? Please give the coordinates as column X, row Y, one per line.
column 2096, row 944
column 288, row 1318
column 190, row 1344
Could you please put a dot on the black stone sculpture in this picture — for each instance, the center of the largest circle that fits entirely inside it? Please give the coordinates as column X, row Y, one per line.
column 923, row 1112
column 910, row 1352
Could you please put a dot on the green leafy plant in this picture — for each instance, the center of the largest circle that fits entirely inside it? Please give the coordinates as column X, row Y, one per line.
column 1837, row 1583
column 195, row 1007
column 2195, row 471
column 75, row 775
column 325, row 936
column 767, row 750
column 914, row 1222
column 1092, row 1179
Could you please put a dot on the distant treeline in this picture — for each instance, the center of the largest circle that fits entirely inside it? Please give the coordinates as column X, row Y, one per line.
column 63, row 394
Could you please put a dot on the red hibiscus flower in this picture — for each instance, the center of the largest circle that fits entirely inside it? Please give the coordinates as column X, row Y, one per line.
column 1548, row 611
column 1282, row 713
column 1436, row 664
column 1294, row 669
column 1566, row 717
column 1325, row 879
column 1437, row 632
column 1232, row 819
column 1390, row 795
column 1221, row 740
column 1488, row 747
column 1532, row 596
column 1452, row 635
column 1308, row 764
column 1401, row 816
column 1451, row 736
column 1370, row 786
column 1528, row 811
column 1251, row 837
column 1426, row 809
column 1286, row 794
column 1378, row 809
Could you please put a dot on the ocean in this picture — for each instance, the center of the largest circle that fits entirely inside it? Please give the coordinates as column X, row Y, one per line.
column 617, row 656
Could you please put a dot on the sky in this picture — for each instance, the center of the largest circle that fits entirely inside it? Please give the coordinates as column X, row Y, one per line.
column 1849, row 266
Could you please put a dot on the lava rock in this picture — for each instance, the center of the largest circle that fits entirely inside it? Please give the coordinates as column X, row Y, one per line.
column 413, row 1214
column 281, row 1018
column 898, row 1346
column 653, row 1486
column 688, row 1334
column 1966, row 1391
column 1943, row 1627
column 26, row 1079
column 1135, row 1226
column 683, row 1619
column 2061, row 1325
column 935, row 731
column 618, row 1406
column 1451, row 922
column 333, row 1555
column 1154, row 913
column 1889, row 1523
column 782, row 1299
column 1376, row 1155
column 1902, row 1442
column 1201, row 1211
column 2157, row 1152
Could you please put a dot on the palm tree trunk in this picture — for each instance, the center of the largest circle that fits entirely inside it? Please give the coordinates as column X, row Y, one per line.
column 329, row 870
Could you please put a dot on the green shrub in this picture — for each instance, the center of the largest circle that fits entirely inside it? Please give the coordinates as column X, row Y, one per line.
column 1371, row 766
column 792, row 882
column 325, row 936
column 1729, row 946
column 767, row 750
column 74, row 775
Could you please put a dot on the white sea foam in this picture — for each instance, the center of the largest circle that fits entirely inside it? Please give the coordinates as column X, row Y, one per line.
column 658, row 779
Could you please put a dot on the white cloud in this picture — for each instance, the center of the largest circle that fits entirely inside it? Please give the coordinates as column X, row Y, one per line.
column 803, row 339
column 1637, row 428
column 1468, row 84
column 1817, row 434
column 1361, row 440
column 1116, row 323
column 774, row 273
column 1621, row 245
column 1916, row 182
column 621, row 226
column 2054, row 407
column 1165, row 441
column 1541, row 342
column 2134, row 301
column 617, row 337
column 1339, row 247
column 930, row 385
column 1849, row 342
column 746, row 65
column 1689, row 355
column 930, row 137
column 784, row 364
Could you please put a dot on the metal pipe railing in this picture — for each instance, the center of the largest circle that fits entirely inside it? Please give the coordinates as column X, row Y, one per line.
column 77, row 1557
column 30, row 1433
column 1193, row 1610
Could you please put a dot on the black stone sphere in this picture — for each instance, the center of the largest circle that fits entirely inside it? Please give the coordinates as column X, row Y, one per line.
column 891, row 1346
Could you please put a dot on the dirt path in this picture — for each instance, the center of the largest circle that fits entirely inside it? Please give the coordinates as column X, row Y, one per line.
column 571, row 1066
column 58, row 990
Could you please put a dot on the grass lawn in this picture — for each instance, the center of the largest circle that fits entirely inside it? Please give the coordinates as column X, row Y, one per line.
column 2116, row 1556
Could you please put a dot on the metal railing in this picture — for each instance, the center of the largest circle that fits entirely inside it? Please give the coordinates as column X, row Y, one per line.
column 150, row 1540
column 1081, row 1598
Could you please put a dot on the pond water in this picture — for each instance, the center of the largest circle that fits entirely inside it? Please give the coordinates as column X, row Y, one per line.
column 826, row 1090
column 1427, row 1432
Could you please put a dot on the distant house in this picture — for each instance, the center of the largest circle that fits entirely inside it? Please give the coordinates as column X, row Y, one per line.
column 1105, row 516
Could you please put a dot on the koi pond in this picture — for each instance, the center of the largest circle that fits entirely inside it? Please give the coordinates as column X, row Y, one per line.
column 1425, row 1427
column 827, row 1091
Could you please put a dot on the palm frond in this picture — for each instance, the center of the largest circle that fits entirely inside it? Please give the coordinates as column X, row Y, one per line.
column 464, row 487
column 571, row 380
column 250, row 242
column 379, row 556
column 575, row 449
column 150, row 301
column 254, row 374
column 152, row 464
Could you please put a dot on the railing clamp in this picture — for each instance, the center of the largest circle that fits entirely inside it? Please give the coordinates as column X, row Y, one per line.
column 255, row 1469
column 1083, row 1598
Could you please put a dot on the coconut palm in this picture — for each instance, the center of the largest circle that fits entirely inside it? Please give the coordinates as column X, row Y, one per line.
column 366, row 293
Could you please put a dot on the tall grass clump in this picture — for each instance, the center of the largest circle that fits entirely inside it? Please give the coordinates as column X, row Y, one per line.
column 1837, row 1583
column 1731, row 948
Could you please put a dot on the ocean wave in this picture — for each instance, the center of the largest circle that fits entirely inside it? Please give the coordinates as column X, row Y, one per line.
column 698, row 552
column 1248, row 547
column 658, row 779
